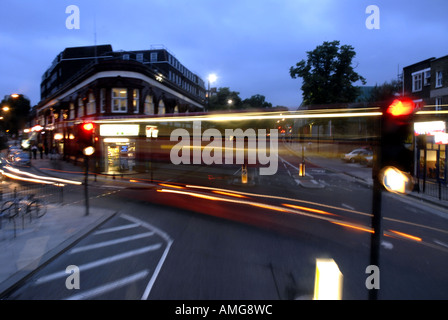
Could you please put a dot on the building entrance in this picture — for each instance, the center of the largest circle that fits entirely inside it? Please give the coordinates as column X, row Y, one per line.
column 120, row 157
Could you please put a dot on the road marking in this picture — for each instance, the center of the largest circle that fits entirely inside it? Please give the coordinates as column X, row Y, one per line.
column 112, row 242
column 110, row 286
column 387, row 245
column 97, row 263
column 347, row 206
column 441, row 243
column 162, row 259
column 119, row 228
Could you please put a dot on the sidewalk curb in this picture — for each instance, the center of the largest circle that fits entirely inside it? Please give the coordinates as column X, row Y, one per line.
column 15, row 280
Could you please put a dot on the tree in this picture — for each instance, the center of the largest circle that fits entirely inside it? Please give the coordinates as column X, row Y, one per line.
column 224, row 99
column 15, row 111
column 328, row 75
column 386, row 91
column 257, row 101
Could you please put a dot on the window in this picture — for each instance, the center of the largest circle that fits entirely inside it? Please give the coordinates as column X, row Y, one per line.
column 72, row 111
column 161, row 107
column 439, row 79
column 140, row 57
column 80, row 108
column 119, row 100
column 153, row 57
column 103, row 100
column 417, row 82
column 427, row 80
column 126, row 57
column 135, row 100
column 91, row 105
column 149, row 105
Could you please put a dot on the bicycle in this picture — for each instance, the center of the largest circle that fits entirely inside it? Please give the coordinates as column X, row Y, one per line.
column 24, row 206
column 35, row 206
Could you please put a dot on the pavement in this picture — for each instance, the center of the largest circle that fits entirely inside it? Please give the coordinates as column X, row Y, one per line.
column 27, row 248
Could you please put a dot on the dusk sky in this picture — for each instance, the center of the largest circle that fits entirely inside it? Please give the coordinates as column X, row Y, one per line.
column 249, row 44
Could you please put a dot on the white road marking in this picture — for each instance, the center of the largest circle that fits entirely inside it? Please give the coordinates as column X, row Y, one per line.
column 113, row 229
column 387, row 245
column 112, row 242
column 110, row 286
column 348, row 206
column 441, row 243
column 162, row 259
column 97, row 263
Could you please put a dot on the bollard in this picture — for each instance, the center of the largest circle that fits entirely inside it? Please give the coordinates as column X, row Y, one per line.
column 244, row 174
column 302, row 169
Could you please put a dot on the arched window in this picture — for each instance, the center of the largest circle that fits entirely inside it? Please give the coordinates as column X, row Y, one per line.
column 80, row 108
column 91, row 105
column 149, row 105
column 161, row 107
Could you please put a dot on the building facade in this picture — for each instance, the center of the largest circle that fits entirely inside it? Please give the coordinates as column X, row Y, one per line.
column 427, row 83
column 95, row 83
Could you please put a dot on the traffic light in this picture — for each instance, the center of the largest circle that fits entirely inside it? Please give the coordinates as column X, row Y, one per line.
column 85, row 135
column 396, row 157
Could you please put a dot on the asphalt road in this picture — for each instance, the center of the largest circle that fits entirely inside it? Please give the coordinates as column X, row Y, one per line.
column 203, row 235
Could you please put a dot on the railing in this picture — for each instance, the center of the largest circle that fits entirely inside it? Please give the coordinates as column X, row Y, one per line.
column 436, row 189
column 22, row 196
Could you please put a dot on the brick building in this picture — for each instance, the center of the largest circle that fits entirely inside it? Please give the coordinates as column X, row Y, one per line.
column 96, row 83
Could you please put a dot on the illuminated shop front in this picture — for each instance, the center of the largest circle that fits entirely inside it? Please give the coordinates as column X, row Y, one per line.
column 118, row 147
column 431, row 151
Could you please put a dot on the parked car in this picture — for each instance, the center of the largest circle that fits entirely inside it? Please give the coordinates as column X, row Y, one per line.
column 357, row 155
column 367, row 161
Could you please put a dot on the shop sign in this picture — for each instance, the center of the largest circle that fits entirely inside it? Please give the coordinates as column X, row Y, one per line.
column 119, row 130
column 429, row 127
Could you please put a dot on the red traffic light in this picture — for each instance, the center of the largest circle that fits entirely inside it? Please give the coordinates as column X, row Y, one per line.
column 401, row 107
column 87, row 126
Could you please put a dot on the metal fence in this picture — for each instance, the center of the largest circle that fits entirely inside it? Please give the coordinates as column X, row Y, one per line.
column 49, row 193
column 435, row 189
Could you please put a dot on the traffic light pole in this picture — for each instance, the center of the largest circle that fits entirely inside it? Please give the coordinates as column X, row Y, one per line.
column 375, row 240
column 86, row 180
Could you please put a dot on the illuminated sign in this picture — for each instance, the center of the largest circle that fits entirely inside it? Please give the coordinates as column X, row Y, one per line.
column 152, row 132
column 441, row 138
column 429, row 127
column 118, row 130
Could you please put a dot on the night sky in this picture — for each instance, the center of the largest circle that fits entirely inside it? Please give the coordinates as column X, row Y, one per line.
column 249, row 45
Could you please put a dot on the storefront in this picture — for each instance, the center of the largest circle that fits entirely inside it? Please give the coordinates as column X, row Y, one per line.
column 118, row 147
column 431, row 151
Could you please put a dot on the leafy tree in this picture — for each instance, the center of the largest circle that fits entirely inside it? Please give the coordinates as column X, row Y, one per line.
column 224, row 99
column 257, row 101
column 328, row 75
column 17, row 114
column 385, row 91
